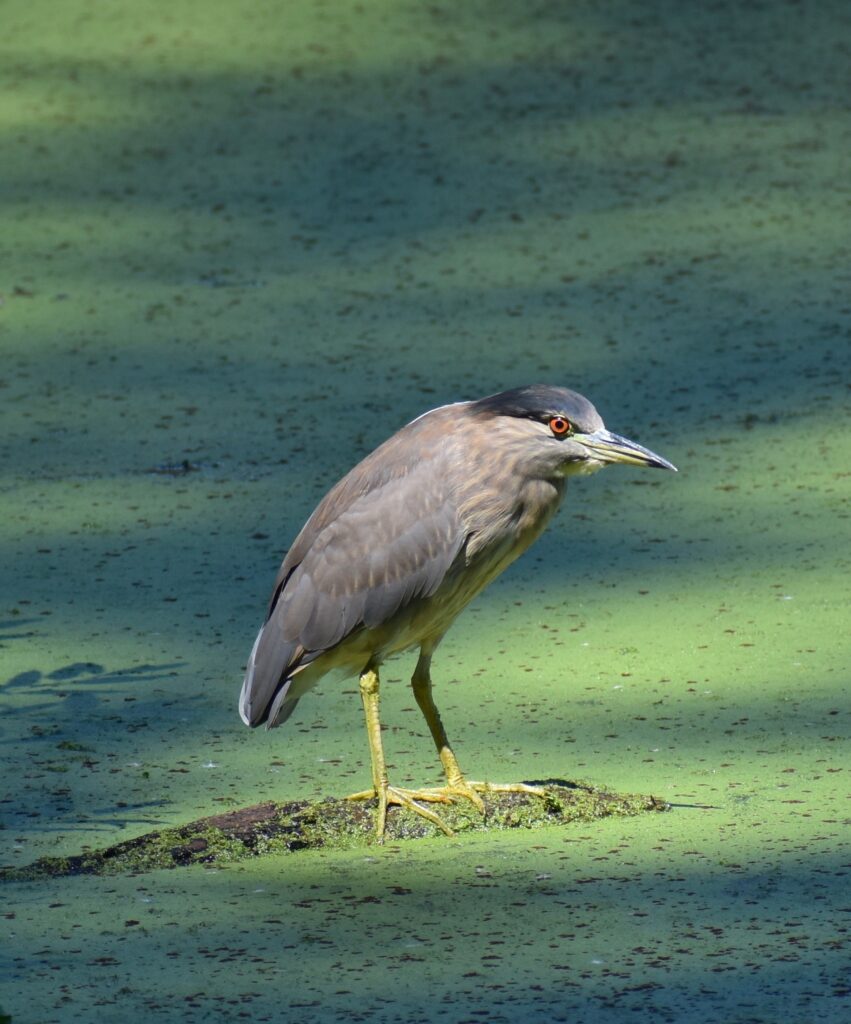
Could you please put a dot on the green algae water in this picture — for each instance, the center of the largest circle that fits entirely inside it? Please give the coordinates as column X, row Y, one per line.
column 240, row 247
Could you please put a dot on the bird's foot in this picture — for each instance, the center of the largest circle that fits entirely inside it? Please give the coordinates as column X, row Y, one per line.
column 464, row 789
column 458, row 789
column 395, row 795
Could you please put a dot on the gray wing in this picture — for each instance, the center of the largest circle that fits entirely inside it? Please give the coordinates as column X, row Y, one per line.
column 382, row 538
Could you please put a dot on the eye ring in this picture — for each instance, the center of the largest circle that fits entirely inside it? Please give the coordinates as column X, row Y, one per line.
column 560, row 426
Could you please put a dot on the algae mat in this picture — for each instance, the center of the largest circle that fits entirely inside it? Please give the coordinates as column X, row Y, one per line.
column 240, row 246
column 341, row 824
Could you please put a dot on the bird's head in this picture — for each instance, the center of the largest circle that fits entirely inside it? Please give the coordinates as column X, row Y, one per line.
column 559, row 432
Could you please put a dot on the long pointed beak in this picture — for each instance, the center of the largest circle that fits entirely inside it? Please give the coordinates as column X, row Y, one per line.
column 609, row 447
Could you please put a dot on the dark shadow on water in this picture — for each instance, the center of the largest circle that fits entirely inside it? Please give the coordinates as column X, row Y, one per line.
column 84, row 708
column 88, row 673
column 103, row 820
column 74, row 681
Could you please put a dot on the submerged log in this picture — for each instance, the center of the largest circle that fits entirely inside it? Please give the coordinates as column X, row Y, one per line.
column 334, row 823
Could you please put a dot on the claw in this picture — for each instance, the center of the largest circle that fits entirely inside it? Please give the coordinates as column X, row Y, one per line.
column 394, row 795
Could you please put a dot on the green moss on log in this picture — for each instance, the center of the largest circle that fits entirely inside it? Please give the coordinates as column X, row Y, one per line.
column 333, row 824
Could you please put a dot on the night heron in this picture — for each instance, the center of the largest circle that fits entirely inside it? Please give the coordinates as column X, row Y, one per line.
column 404, row 542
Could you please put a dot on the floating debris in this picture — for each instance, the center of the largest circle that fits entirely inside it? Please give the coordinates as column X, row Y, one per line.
column 333, row 823
column 175, row 468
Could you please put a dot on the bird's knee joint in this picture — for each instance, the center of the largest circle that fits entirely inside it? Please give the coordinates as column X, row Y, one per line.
column 420, row 684
column 369, row 683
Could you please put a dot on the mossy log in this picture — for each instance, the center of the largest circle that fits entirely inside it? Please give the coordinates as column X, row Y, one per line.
column 334, row 823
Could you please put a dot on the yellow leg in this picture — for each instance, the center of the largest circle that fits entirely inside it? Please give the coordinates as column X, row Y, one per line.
column 387, row 794
column 457, row 785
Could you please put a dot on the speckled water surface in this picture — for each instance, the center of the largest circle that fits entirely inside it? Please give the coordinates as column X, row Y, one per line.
column 241, row 244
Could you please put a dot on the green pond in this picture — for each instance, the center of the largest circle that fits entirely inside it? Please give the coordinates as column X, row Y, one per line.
column 240, row 246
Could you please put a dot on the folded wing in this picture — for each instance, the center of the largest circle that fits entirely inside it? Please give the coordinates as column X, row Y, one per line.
column 380, row 540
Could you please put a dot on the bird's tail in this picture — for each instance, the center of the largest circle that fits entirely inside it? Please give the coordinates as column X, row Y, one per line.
column 246, row 704
column 263, row 697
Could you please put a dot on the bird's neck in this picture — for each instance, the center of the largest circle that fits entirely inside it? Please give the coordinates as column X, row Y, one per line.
column 507, row 528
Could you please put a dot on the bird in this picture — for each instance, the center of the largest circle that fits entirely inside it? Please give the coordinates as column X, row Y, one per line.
column 400, row 546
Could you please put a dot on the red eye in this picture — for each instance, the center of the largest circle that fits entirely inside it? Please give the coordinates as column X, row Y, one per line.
column 559, row 426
